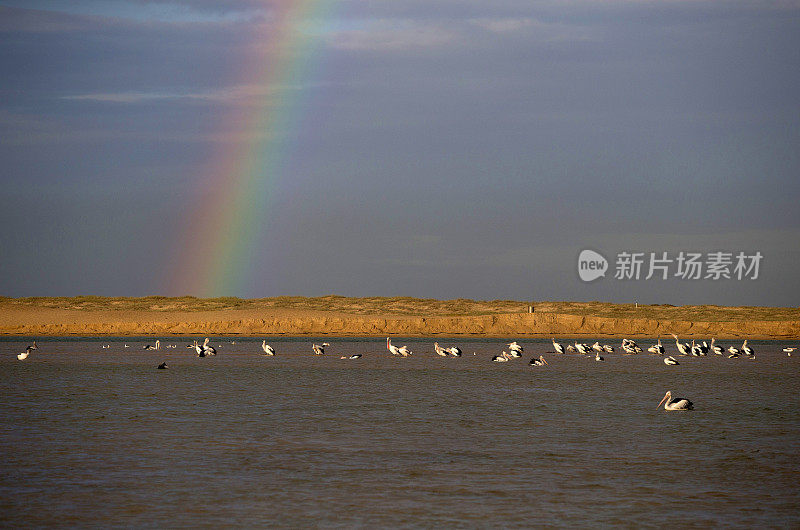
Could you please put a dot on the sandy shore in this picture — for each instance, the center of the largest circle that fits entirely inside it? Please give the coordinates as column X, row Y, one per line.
column 338, row 316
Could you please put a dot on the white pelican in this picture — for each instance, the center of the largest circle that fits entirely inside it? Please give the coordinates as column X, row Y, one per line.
column 695, row 349
column 455, row 351
column 163, row 366
column 789, row 351
column 513, row 346
column 683, row 348
column 269, row 350
column 404, row 351
column 733, row 351
column 596, row 347
column 354, row 356
column 570, row 347
column 608, row 348
column 747, row 349
column 557, row 346
column 151, row 347
column 208, row 350
column 670, row 361
column 439, row 350
column 704, row 348
column 127, row 346
column 200, row 351
column 106, row 346
column 629, row 346
column 24, row 355
column 718, row 350
column 581, row 347
column 598, row 357
column 538, row 362
column 502, row 358
column 318, row 350
column 514, row 353
column 658, row 349
column 675, row 404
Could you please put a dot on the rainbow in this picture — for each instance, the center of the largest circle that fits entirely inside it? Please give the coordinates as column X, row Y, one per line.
column 225, row 228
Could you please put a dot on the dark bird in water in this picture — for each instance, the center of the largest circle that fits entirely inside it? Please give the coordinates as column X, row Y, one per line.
column 163, row 366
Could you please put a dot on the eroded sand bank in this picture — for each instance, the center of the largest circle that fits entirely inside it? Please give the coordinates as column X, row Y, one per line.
column 37, row 320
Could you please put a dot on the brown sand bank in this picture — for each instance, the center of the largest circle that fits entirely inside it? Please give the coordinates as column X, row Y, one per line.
column 340, row 316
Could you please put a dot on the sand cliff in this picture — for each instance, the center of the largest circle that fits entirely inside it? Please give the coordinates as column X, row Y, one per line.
column 45, row 321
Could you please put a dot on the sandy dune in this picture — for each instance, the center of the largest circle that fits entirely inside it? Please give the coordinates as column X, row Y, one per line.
column 339, row 316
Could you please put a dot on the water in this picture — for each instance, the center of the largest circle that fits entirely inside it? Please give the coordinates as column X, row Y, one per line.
column 99, row 437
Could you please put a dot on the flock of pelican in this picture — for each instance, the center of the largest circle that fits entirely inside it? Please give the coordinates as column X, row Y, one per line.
column 515, row 351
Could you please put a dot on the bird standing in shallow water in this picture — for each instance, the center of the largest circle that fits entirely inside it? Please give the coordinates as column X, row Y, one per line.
column 676, row 403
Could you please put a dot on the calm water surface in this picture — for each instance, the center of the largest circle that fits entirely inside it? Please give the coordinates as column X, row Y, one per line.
column 98, row 437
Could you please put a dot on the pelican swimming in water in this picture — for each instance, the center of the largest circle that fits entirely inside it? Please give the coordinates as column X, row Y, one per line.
column 198, row 349
column 442, row 352
column 404, row 351
column 157, row 346
column 208, row 350
column 657, row 349
column 513, row 346
column 718, row 350
column 538, row 361
column 696, row 350
column 675, row 404
column 318, row 349
column 747, row 349
column 598, row 357
column 788, row 351
column 515, row 354
column 268, row 350
column 570, row 348
column 557, row 346
column 670, row 361
column 733, row 351
column 683, row 348
column 596, row 347
column 608, row 348
column 502, row 358
column 455, row 351
column 582, row 348
column 163, row 366
column 24, row 355
column 354, row 356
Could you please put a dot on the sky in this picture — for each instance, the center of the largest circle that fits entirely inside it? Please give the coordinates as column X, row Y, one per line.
column 429, row 148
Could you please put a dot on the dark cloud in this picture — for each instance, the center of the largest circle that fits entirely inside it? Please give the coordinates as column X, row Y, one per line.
column 441, row 148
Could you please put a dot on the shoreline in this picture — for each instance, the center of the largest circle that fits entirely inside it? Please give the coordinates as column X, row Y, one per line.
column 36, row 320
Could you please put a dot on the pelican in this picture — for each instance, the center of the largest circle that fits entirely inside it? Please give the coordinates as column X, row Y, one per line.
column 658, row 349
column 570, row 348
column 557, row 346
column 163, row 366
column 514, row 354
column 269, row 350
column 455, row 351
column 404, row 351
column 502, row 358
column 596, row 347
column 24, row 355
column 538, row 361
column 704, row 348
column 200, row 351
column 683, row 348
column 439, row 350
column 675, row 404
column 670, row 361
column 608, row 348
column 598, row 357
column 208, row 350
column 318, row 350
column 151, row 347
column 513, row 346
column 629, row 346
column 695, row 349
column 733, row 351
column 718, row 350
column 582, row 348
column 789, row 351
column 354, row 356
column 747, row 349
column 106, row 346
